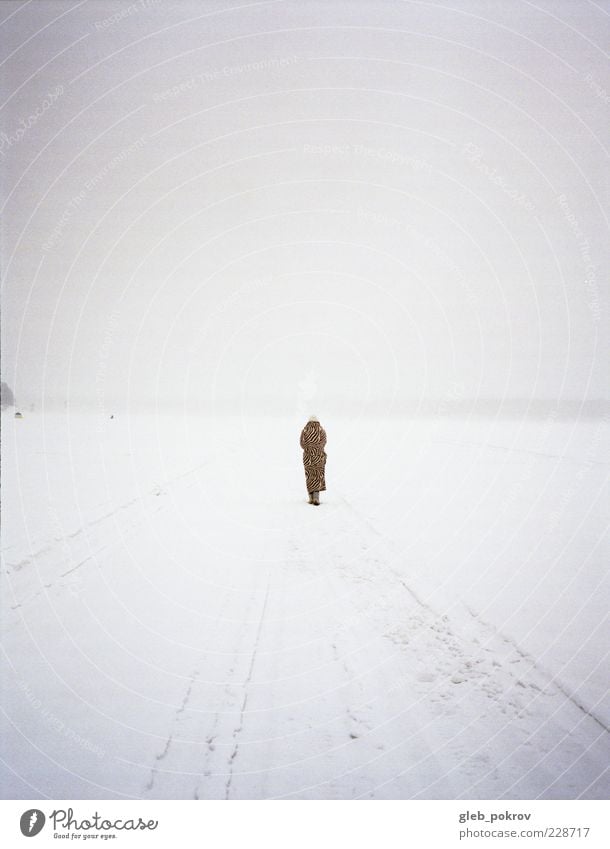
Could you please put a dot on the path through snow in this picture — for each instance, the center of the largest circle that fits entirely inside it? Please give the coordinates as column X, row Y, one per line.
column 204, row 638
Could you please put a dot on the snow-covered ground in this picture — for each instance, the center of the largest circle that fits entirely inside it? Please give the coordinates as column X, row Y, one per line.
column 178, row 622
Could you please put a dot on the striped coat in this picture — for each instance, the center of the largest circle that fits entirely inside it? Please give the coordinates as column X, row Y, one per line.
column 313, row 440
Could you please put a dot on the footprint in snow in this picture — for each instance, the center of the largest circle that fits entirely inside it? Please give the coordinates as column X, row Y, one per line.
column 426, row 677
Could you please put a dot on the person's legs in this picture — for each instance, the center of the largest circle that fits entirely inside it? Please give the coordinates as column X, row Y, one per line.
column 316, row 497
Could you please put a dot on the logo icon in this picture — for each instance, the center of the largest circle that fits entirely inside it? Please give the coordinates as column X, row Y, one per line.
column 31, row 822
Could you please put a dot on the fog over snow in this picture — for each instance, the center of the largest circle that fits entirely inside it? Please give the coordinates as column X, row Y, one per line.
column 218, row 219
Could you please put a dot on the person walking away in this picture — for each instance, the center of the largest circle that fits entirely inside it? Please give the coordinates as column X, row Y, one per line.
column 313, row 442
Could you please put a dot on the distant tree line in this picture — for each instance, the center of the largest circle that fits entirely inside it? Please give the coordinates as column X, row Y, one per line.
column 7, row 399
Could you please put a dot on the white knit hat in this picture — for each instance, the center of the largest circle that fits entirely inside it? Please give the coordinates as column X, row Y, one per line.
column 314, row 419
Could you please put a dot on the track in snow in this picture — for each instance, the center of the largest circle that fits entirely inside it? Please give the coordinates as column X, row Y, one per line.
column 208, row 643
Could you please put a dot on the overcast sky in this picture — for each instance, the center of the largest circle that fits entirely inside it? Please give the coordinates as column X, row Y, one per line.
column 304, row 202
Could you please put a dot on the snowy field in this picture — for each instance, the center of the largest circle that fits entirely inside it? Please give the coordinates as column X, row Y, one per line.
column 179, row 623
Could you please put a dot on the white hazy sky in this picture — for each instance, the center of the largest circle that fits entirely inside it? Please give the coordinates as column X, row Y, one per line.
column 304, row 202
